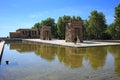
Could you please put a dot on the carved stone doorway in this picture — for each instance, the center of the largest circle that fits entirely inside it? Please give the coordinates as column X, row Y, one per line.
column 74, row 31
column 47, row 37
column 45, row 33
column 29, row 34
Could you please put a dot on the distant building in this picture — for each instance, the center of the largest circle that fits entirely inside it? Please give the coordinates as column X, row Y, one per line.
column 74, row 31
column 25, row 33
column 45, row 33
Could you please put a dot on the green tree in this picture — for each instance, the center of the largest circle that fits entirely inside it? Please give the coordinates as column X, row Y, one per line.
column 111, row 31
column 114, row 29
column 73, row 18
column 37, row 26
column 50, row 22
column 66, row 18
column 60, row 28
column 78, row 18
column 85, row 27
column 61, row 24
column 97, row 25
column 117, row 21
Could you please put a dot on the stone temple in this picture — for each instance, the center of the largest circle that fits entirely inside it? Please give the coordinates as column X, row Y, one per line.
column 25, row 33
column 45, row 33
column 74, row 30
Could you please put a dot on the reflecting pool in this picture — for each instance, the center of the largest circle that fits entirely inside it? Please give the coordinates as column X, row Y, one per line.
column 46, row 62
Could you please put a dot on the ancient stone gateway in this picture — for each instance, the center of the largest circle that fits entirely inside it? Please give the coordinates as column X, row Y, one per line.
column 45, row 33
column 74, row 31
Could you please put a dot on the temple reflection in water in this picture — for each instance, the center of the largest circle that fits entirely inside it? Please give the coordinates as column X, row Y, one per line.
column 72, row 57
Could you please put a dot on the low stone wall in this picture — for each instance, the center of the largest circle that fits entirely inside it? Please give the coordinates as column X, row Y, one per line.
column 1, row 49
column 113, row 41
column 71, row 44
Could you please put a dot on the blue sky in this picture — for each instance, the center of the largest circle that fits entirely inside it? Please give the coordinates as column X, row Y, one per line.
column 15, row 14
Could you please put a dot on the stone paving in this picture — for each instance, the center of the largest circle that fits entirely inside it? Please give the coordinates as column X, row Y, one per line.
column 1, row 46
column 71, row 44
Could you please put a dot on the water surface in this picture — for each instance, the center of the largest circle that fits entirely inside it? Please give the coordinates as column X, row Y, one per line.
column 46, row 62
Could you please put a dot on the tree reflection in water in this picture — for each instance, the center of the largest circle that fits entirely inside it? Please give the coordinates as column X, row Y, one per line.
column 96, row 56
column 115, row 51
column 72, row 57
column 69, row 56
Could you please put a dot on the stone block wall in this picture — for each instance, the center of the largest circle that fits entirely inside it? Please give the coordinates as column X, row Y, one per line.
column 45, row 33
column 24, row 33
column 14, row 35
column 74, row 30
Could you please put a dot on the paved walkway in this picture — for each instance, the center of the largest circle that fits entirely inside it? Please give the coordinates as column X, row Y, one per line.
column 1, row 46
column 70, row 44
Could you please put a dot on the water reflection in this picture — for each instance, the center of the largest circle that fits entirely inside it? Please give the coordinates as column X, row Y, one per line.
column 96, row 56
column 46, row 52
column 69, row 56
column 23, row 47
column 115, row 50
column 72, row 57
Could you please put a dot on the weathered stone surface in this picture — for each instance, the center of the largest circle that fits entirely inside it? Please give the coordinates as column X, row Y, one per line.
column 45, row 33
column 74, row 31
column 25, row 33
